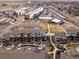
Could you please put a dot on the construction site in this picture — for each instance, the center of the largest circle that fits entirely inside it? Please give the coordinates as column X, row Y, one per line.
column 39, row 29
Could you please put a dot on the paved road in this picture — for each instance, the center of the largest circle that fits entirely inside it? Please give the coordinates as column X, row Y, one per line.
column 7, row 29
column 64, row 15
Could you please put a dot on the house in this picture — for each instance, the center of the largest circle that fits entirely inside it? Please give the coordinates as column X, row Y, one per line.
column 61, row 38
column 21, row 11
column 72, row 33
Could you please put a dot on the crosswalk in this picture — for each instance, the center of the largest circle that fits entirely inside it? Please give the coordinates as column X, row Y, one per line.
column 7, row 20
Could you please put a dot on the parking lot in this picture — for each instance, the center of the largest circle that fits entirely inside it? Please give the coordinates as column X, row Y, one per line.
column 28, row 27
